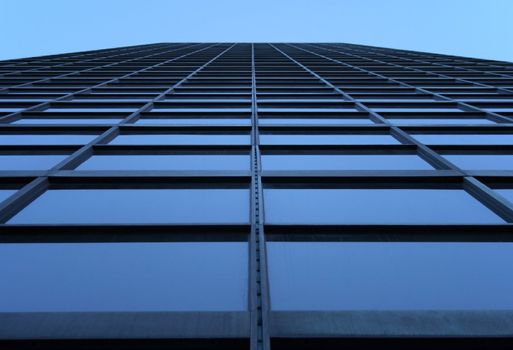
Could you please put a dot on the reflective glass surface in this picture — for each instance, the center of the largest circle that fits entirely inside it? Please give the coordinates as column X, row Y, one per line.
column 65, row 277
column 508, row 193
column 96, row 206
column 481, row 161
column 29, row 162
column 49, row 139
column 5, row 193
column 193, row 121
column 465, row 139
column 50, row 121
column 374, row 206
column 329, row 276
column 343, row 162
column 166, row 162
column 313, row 121
column 181, row 139
column 440, row 121
column 330, row 139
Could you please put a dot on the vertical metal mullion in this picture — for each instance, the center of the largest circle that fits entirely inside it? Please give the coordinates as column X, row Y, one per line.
column 259, row 287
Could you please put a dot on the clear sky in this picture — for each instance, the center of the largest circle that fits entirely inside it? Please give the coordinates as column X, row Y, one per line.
column 475, row 28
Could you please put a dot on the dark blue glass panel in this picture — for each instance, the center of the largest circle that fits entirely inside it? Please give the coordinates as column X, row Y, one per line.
column 374, row 206
column 39, row 139
column 191, row 121
column 91, row 109
column 332, row 276
column 344, row 162
column 181, row 139
column 482, row 161
column 314, row 121
column 166, row 162
column 138, row 206
column 50, row 121
column 65, row 277
column 4, row 194
column 29, row 162
column 333, row 139
column 466, row 139
column 506, row 193
column 439, row 121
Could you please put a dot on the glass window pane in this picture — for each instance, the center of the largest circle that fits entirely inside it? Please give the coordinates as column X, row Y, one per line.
column 29, row 162
column 138, row 206
column 4, row 194
column 390, row 276
column 90, row 109
column 38, row 139
column 313, row 121
column 53, row 121
column 374, row 206
column 482, row 161
column 181, row 139
column 506, row 193
column 166, row 162
column 344, row 162
column 192, row 121
column 440, row 121
column 465, row 139
column 66, row 277
column 321, row 139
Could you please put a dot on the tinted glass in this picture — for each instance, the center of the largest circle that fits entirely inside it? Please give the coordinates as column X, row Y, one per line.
column 482, row 161
column 5, row 193
column 380, row 109
column 66, row 121
column 506, row 193
column 466, row 139
column 334, row 139
column 123, row 277
column 374, row 206
column 90, row 109
column 390, row 276
column 166, row 162
column 29, row 162
column 313, row 121
column 181, row 139
column 38, row 139
column 137, row 206
column 191, row 121
column 440, row 121
column 344, row 162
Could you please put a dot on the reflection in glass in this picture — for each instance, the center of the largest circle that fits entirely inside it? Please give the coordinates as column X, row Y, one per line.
column 52, row 121
column 374, row 206
column 181, row 139
column 329, row 276
column 48, row 139
column 66, row 277
column 327, row 139
column 343, row 162
column 482, row 161
column 138, row 206
column 29, row 162
column 465, row 139
column 185, row 162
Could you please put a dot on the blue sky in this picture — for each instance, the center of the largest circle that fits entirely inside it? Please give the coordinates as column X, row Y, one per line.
column 475, row 28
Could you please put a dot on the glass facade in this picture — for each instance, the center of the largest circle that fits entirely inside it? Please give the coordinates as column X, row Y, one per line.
column 238, row 195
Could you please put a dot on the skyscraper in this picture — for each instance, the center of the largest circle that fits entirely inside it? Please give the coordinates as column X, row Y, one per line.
column 236, row 196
